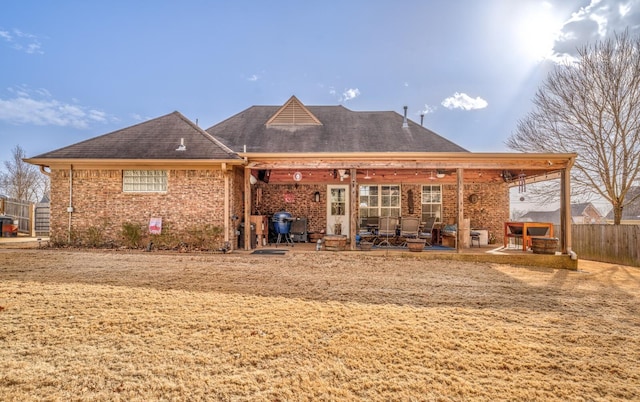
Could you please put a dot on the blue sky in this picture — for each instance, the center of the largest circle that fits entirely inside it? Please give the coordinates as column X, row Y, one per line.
column 72, row 70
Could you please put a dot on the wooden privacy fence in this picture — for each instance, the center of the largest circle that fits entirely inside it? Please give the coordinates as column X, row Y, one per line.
column 33, row 219
column 616, row 244
column 19, row 210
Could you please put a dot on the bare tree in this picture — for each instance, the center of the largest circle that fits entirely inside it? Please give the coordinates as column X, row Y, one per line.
column 592, row 107
column 21, row 180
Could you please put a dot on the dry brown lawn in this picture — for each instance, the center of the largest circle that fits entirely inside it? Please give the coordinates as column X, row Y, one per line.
column 136, row 326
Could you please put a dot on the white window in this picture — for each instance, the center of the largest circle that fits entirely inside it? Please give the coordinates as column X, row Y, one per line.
column 144, row 181
column 383, row 200
column 432, row 202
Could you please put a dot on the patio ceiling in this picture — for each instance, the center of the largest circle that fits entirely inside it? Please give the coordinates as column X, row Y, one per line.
column 414, row 167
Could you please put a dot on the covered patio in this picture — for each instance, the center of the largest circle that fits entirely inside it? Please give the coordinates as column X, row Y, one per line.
column 473, row 186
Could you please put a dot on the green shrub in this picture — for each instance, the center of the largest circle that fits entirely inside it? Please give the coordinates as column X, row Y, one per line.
column 131, row 234
column 167, row 239
column 207, row 237
column 95, row 235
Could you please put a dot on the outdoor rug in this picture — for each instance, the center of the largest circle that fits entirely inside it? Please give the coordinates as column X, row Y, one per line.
column 270, row 252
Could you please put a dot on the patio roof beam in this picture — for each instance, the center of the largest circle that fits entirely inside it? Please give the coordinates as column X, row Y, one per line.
column 419, row 165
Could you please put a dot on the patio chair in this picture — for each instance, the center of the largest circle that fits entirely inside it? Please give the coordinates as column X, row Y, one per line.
column 387, row 229
column 427, row 230
column 409, row 228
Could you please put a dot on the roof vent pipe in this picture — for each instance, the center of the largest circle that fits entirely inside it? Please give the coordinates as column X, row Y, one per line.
column 405, row 124
column 421, row 119
column 181, row 147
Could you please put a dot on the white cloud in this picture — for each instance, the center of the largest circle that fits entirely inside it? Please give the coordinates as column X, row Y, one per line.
column 428, row 109
column 38, row 107
column 349, row 94
column 22, row 41
column 596, row 21
column 253, row 77
column 464, row 101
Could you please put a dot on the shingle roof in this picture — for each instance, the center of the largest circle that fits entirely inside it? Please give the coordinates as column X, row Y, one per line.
column 154, row 139
column 542, row 216
column 341, row 130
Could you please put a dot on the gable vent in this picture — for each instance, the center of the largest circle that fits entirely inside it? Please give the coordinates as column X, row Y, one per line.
column 293, row 113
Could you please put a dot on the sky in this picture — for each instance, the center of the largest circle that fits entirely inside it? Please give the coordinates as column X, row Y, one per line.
column 73, row 70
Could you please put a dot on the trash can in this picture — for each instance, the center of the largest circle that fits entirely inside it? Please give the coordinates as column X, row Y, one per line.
column 241, row 237
column 7, row 226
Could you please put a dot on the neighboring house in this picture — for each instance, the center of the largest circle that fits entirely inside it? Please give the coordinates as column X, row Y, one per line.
column 631, row 212
column 583, row 213
column 327, row 164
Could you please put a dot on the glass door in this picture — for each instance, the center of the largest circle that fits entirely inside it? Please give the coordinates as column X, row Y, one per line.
column 338, row 209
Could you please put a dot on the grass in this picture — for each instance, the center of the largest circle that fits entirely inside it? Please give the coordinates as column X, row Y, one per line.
column 113, row 325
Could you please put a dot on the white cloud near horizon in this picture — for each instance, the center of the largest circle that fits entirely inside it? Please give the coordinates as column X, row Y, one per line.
column 38, row 107
column 428, row 109
column 22, row 41
column 349, row 94
column 464, row 101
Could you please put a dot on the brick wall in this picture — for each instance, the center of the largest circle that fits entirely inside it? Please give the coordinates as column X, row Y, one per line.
column 196, row 197
column 193, row 198
column 489, row 212
column 297, row 200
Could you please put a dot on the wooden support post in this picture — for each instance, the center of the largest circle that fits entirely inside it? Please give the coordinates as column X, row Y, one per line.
column 353, row 200
column 565, row 210
column 247, row 208
column 460, row 220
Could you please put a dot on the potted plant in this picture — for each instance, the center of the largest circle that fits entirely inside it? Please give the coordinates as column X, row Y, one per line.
column 416, row 245
column 366, row 245
column 337, row 225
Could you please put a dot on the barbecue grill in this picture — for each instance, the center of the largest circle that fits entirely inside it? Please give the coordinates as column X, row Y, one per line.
column 282, row 225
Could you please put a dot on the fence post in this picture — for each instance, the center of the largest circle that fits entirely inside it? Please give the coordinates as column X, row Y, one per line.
column 32, row 221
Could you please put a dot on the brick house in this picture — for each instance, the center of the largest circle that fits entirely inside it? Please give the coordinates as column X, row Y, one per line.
column 325, row 163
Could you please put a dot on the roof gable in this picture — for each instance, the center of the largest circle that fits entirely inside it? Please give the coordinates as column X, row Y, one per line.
column 171, row 136
column 293, row 112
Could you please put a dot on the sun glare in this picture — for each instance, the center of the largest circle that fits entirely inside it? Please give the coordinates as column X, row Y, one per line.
column 537, row 31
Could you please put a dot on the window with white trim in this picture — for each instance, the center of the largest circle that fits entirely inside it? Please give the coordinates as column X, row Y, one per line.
column 432, row 202
column 382, row 200
column 144, row 181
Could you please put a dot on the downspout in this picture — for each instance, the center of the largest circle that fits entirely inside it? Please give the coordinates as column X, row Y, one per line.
column 70, row 207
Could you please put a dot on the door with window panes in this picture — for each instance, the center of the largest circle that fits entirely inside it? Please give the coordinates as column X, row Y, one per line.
column 338, row 209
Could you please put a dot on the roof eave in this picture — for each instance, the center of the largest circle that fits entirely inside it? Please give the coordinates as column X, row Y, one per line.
column 88, row 163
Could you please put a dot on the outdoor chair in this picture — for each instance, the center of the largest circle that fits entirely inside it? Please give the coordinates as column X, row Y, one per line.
column 409, row 228
column 387, row 229
column 427, row 230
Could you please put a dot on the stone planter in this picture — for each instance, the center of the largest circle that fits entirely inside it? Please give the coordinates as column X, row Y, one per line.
column 416, row 245
column 366, row 245
column 335, row 242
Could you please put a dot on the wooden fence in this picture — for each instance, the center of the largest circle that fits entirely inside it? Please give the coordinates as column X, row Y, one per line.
column 616, row 244
column 33, row 219
column 19, row 210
